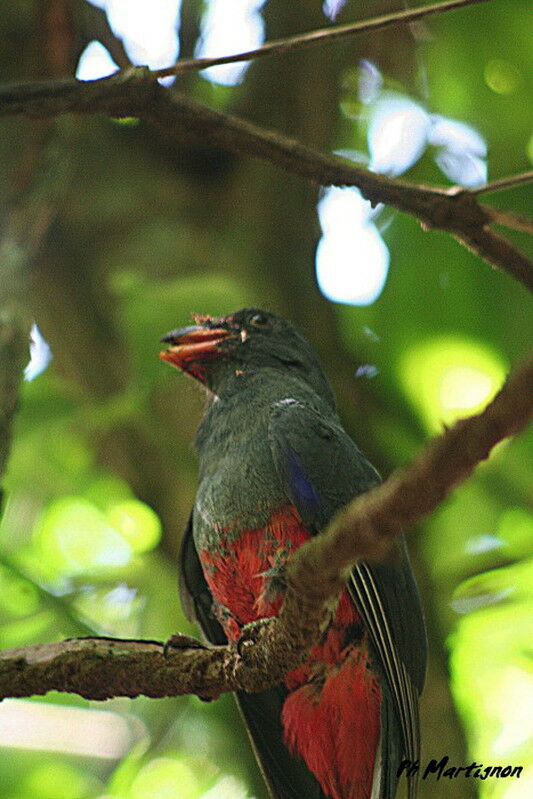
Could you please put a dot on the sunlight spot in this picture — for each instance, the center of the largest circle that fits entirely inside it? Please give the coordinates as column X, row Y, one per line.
column 137, row 523
column 516, row 531
column 76, row 538
column 226, row 788
column 352, row 259
column 529, row 149
column 447, row 378
column 60, row 728
column 515, row 690
column 52, row 778
column 490, row 674
column 40, row 354
column 463, row 388
column 502, row 77
column 224, row 33
column 522, row 788
column 161, row 778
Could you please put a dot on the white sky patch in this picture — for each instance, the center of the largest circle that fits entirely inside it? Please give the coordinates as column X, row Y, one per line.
column 40, row 354
column 368, row 370
column 457, row 136
column 330, row 8
column 468, row 604
column 397, row 134
column 480, row 544
column 463, row 151
column 371, row 335
column 60, row 728
column 95, row 62
column 400, row 130
column 352, row 260
column 370, row 82
column 464, row 169
column 148, row 29
column 225, row 31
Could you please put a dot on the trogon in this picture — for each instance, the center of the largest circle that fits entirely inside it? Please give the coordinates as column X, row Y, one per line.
column 275, row 466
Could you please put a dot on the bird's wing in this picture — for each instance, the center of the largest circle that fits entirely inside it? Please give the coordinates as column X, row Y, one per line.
column 321, row 470
column 195, row 596
column 287, row 777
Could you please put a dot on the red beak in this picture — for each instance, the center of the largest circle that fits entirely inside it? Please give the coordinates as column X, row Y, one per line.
column 190, row 344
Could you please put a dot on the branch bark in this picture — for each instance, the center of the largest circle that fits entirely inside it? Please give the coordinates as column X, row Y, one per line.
column 505, row 183
column 509, row 219
column 99, row 668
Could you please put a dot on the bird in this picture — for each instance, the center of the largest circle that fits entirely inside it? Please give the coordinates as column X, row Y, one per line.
column 275, row 465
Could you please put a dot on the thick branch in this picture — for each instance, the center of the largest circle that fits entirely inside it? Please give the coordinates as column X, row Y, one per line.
column 135, row 93
column 317, row 37
column 13, row 357
column 366, row 528
column 30, row 211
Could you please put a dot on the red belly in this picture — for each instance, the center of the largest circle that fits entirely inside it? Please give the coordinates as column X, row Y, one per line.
column 242, row 573
column 331, row 718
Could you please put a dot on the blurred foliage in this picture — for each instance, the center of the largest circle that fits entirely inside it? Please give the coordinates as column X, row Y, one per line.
column 102, row 473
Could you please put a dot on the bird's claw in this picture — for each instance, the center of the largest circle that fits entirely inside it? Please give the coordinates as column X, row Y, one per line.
column 250, row 634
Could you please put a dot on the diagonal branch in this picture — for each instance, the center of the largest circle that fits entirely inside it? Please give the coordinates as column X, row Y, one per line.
column 317, row 37
column 505, row 183
column 99, row 668
column 509, row 219
column 135, row 92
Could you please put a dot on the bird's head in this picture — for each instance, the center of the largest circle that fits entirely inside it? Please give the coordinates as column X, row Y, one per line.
column 216, row 351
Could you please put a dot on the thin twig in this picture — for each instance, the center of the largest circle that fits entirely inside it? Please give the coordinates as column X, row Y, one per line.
column 505, row 183
column 99, row 668
column 316, row 37
column 509, row 219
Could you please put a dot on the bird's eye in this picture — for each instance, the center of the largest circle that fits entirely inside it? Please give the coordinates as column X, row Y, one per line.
column 260, row 320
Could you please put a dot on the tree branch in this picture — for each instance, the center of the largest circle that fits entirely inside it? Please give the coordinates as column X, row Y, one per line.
column 99, row 668
column 316, row 37
column 14, row 327
column 31, row 207
column 134, row 92
column 509, row 219
column 505, row 183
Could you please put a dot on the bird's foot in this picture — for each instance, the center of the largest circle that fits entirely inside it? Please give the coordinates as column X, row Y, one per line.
column 250, row 635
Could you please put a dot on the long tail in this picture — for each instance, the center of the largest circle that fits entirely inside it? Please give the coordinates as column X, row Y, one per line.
column 334, row 723
column 286, row 774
